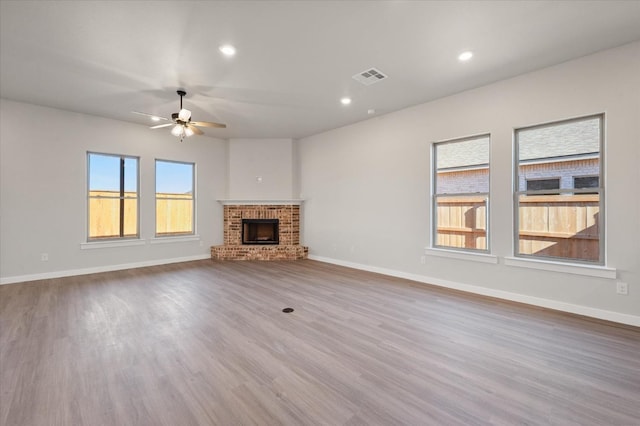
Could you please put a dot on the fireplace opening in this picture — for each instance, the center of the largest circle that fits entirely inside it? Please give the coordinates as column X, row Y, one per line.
column 260, row 231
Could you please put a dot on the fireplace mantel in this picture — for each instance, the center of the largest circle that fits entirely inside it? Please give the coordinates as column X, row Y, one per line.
column 244, row 202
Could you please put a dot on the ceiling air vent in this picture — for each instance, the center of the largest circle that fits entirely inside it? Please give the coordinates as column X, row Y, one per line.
column 369, row 76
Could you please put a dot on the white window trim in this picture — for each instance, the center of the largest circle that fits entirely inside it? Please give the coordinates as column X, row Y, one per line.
column 517, row 259
column 461, row 255
column 434, row 195
column 576, row 269
column 112, row 243
column 126, row 240
column 174, row 239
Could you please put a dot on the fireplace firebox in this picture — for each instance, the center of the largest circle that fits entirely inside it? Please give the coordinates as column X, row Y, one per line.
column 260, row 231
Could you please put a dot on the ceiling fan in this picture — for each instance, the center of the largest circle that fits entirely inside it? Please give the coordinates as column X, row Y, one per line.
column 181, row 121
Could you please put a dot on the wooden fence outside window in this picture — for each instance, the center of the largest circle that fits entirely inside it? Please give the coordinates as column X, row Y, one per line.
column 173, row 216
column 564, row 226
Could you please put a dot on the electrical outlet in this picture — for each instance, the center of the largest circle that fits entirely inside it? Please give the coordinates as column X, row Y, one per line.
column 44, row 257
column 622, row 288
column 423, row 260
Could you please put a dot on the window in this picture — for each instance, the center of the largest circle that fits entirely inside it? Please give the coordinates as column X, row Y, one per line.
column 580, row 182
column 560, row 218
column 175, row 198
column 460, row 197
column 112, row 196
column 537, row 184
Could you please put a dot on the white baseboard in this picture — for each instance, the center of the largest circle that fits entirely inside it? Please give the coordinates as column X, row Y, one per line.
column 500, row 294
column 97, row 269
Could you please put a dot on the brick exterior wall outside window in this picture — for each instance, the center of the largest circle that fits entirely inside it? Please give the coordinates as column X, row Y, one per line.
column 475, row 180
column 463, row 181
column 565, row 170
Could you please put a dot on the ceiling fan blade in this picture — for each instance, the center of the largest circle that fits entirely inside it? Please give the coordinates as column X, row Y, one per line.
column 159, row 126
column 195, row 129
column 207, row 124
column 150, row 115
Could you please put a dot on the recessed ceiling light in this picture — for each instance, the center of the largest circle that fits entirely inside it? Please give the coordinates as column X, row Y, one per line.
column 228, row 50
column 371, row 111
column 154, row 118
column 345, row 101
column 465, row 56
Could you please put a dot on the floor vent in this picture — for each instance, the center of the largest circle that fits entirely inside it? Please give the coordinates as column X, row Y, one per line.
column 370, row 76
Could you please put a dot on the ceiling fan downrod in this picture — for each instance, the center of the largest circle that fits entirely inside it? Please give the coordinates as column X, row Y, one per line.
column 181, row 93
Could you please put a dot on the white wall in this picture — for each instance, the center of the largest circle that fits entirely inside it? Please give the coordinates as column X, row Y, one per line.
column 271, row 160
column 367, row 185
column 43, row 190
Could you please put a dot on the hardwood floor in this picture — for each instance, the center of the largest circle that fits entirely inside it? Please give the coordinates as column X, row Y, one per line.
column 207, row 343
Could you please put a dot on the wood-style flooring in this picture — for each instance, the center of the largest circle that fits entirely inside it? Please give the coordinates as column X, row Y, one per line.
column 207, row 342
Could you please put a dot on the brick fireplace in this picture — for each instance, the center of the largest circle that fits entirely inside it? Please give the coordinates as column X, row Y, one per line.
column 287, row 244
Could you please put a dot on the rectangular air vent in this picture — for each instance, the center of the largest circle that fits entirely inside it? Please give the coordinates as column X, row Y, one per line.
column 369, row 76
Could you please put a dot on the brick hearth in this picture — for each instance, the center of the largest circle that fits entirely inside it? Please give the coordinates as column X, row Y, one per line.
column 289, row 247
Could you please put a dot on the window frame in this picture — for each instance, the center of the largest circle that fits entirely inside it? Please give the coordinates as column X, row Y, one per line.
column 193, row 200
column 434, row 197
column 121, row 197
column 600, row 190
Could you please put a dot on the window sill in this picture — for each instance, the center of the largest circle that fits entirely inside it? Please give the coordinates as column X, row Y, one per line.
column 546, row 265
column 110, row 244
column 454, row 254
column 174, row 239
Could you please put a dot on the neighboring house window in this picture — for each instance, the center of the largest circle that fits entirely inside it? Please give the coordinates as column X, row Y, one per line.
column 460, row 197
column 560, row 218
column 175, row 198
column 112, row 196
column 538, row 184
column 580, row 182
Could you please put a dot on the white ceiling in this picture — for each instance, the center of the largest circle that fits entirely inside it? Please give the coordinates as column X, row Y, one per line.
column 295, row 58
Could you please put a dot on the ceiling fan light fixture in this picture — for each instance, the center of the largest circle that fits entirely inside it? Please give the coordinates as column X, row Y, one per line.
column 178, row 131
column 183, row 127
column 184, row 115
column 182, row 131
